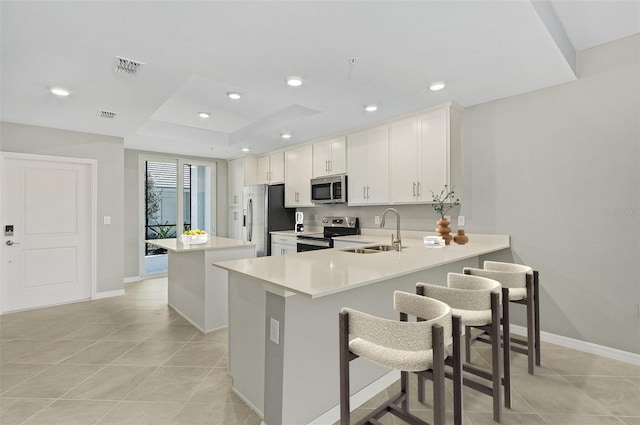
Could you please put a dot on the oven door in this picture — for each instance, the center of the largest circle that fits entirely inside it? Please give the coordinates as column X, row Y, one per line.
column 313, row 244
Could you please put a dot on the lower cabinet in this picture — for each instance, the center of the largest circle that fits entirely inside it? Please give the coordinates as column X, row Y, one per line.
column 282, row 245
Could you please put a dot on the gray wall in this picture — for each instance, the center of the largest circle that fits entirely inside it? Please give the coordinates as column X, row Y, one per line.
column 108, row 151
column 131, row 202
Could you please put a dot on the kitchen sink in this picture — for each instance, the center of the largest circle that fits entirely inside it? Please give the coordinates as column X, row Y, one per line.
column 371, row 249
column 383, row 248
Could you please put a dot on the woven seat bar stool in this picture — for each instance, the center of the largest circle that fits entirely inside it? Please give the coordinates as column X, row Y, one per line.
column 523, row 285
column 477, row 301
column 408, row 346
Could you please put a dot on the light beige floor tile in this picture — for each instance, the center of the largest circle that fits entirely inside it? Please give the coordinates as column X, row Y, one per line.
column 216, row 386
column 12, row 374
column 361, row 412
column 570, row 362
column 14, row 411
column 134, row 332
column 53, row 352
column 617, row 395
column 134, row 315
column 53, row 382
column 630, row 420
column 554, row 394
column 175, row 333
column 152, row 353
column 56, row 330
column 15, row 348
column 508, row 418
column 111, row 383
column 94, row 331
column 519, row 363
column 11, row 329
column 622, row 368
column 634, row 379
column 101, row 352
column 221, row 336
column 212, row 413
column 142, row 413
column 205, row 355
column 253, row 419
column 173, row 384
column 72, row 412
column 581, row 420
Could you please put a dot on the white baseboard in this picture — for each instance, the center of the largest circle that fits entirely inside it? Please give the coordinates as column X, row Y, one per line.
column 358, row 399
column 586, row 347
column 108, row 294
column 132, row 279
column 248, row 403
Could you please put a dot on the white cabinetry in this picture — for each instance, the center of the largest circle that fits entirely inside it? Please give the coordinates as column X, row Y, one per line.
column 420, row 153
column 330, row 157
column 297, row 184
column 242, row 172
column 282, row 245
column 236, row 218
column 271, row 168
column 368, row 160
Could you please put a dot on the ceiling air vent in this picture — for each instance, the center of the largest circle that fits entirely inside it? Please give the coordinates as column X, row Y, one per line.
column 106, row 115
column 127, row 66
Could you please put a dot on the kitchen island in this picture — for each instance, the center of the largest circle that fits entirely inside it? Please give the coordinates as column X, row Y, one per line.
column 283, row 319
column 196, row 290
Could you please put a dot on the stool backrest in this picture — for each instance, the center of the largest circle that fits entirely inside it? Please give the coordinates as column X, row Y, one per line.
column 508, row 274
column 463, row 292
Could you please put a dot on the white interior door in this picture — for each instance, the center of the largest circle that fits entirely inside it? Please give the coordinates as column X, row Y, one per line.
column 47, row 204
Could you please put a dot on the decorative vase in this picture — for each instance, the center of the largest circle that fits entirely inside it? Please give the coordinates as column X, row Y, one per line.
column 461, row 238
column 444, row 230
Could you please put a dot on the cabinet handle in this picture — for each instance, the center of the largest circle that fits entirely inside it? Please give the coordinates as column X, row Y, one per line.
column 364, row 192
column 235, row 199
column 419, row 194
column 330, row 165
column 414, row 188
column 367, row 192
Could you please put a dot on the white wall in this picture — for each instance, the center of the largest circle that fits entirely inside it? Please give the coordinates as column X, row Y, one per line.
column 548, row 168
column 109, row 152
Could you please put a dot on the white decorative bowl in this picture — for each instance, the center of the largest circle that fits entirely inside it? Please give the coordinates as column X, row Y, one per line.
column 194, row 239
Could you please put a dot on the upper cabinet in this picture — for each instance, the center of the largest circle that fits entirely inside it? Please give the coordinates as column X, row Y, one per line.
column 368, row 164
column 271, row 168
column 297, row 183
column 242, row 172
column 424, row 150
column 330, row 157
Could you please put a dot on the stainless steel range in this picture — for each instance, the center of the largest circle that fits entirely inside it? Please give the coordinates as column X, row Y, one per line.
column 333, row 226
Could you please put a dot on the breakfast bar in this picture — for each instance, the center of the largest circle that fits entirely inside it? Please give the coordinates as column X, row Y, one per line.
column 195, row 289
column 283, row 318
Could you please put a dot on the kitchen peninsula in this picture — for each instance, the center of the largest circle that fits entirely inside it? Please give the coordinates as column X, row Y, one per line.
column 195, row 289
column 283, row 317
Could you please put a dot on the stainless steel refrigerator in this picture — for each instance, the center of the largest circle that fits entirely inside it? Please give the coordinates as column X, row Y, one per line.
column 264, row 212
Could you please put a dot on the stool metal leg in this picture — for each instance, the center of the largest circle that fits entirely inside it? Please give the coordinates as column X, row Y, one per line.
column 457, row 372
column 536, row 303
column 496, row 367
column 506, row 348
column 530, row 325
column 345, row 408
column 438, row 375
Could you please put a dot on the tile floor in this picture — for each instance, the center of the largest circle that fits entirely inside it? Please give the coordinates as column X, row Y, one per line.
column 132, row 360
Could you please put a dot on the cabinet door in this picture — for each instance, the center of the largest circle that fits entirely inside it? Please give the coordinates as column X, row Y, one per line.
column 358, row 167
column 378, row 165
column 277, row 168
column 338, row 158
column 236, row 182
column 305, row 174
column 434, row 155
column 263, row 170
column 291, row 161
column 321, row 156
column 235, row 224
column 404, row 162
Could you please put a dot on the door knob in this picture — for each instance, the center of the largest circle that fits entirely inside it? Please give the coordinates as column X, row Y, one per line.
column 9, row 243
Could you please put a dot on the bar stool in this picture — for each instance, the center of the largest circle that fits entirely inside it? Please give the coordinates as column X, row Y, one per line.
column 418, row 347
column 523, row 285
column 477, row 301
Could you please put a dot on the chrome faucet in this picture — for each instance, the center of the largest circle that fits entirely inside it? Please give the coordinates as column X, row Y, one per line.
column 395, row 241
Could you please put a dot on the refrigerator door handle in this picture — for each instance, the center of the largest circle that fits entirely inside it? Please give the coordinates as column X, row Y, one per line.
column 250, row 220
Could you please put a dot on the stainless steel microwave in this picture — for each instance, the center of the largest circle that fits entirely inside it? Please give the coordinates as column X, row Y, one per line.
column 329, row 190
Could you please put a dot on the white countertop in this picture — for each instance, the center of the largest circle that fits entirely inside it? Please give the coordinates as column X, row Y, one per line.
column 329, row 271
column 307, row 231
column 214, row 242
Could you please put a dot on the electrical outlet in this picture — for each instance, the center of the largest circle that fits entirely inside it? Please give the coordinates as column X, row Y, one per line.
column 315, row 218
column 376, row 220
column 274, row 331
column 107, row 219
column 460, row 220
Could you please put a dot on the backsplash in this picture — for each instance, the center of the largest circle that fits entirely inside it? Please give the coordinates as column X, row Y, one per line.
column 412, row 217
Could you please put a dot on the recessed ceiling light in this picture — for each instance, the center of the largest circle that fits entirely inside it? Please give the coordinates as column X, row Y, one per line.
column 371, row 108
column 438, row 85
column 285, row 136
column 294, row 81
column 234, row 95
column 204, row 114
column 59, row 91
column 246, row 149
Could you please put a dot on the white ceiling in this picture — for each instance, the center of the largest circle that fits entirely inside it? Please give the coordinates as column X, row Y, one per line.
column 196, row 51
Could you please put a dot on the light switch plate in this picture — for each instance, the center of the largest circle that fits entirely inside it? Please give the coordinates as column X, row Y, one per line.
column 274, row 331
column 460, row 220
column 377, row 219
column 107, row 219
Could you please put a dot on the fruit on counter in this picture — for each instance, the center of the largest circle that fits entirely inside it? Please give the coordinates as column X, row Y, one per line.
column 195, row 232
